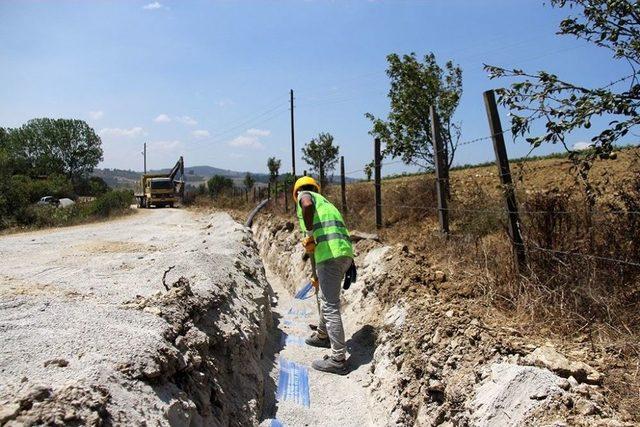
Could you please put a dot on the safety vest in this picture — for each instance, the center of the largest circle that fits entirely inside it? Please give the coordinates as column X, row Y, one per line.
column 330, row 233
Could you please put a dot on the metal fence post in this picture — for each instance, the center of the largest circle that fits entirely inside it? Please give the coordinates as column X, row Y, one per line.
column 377, row 160
column 441, row 174
column 343, row 186
column 502, row 161
column 269, row 191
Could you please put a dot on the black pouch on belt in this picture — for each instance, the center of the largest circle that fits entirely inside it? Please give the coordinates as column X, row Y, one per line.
column 350, row 276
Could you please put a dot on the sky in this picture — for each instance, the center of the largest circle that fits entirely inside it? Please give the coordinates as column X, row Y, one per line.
column 210, row 79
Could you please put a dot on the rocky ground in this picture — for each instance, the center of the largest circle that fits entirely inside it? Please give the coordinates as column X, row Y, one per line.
column 436, row 359
column 156, row 319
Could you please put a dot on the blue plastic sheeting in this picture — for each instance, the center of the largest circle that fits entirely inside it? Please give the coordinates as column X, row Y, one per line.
column 296, row 325
column 276, row 423
column 304, row 292
column 298, row 312
column 293, row 383
column 286, row 339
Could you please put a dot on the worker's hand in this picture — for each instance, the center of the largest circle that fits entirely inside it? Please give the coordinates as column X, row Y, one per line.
column 309, row 244
column 315, row 284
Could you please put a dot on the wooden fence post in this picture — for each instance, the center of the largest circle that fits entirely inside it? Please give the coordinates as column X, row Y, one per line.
column 377, row 161
column 269, row 191
column 343, row 186
column 502, row 161
column 441, row 174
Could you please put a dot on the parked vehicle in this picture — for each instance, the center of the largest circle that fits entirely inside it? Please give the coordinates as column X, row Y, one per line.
column 48, row 201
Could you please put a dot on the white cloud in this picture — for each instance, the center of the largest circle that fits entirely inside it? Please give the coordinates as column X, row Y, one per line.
column 258, row 132
column 236, row 155
column 162, row 118
column 200, row 133
column 122, row 133
column 187, row 120
column 246, row 141
column 250, row 139
column 169, row 145
column 582, row 145
column 153, row 6
column 96, row 115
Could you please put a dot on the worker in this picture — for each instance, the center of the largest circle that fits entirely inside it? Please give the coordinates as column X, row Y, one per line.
column 327, row 241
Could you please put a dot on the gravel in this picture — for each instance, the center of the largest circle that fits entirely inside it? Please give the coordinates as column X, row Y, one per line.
column 90, row 334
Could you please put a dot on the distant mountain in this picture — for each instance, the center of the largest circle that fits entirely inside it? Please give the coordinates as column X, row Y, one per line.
column 194, row 175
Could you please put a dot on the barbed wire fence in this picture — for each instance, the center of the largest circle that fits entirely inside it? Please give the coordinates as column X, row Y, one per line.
column 280, row 198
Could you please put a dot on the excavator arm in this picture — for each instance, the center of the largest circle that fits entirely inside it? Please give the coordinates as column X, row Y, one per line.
column 177, row 176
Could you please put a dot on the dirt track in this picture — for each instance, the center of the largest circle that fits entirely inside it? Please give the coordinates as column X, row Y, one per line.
column 89, row 331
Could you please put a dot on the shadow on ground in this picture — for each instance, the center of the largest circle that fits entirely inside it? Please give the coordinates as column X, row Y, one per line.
column 361, row 347
column 272, row 347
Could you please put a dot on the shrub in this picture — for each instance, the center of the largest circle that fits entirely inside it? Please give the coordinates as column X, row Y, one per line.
column 111, row 202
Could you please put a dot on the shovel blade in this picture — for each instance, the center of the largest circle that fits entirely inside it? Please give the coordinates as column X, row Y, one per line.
column 304, row 291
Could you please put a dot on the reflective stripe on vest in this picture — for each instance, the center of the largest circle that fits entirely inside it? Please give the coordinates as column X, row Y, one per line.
column 329, row 231
column 331, row 223
column 332, row 236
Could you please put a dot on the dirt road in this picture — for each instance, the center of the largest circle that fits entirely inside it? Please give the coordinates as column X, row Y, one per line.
column 89, row 331
column 334, row 400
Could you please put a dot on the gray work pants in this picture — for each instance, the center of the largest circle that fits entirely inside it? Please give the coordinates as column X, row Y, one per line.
column 331, row 275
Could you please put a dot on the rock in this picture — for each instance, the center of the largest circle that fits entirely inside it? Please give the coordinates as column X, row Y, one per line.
column 449, row 313
column 564, row 384
column 435, row 339
column 582, row 389
column 357, row 236
column 152, row 310
column 435, row 385
column 8, row 412
column 548, row 357
column 440, row 276
column 36, row 393
column 56, row 362
column 505, row 397
column 573, row 381
column 586, row 407
column 539, row 396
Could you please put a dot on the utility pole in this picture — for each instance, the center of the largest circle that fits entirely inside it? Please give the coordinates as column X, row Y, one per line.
column 144, row 153
column 293, row 138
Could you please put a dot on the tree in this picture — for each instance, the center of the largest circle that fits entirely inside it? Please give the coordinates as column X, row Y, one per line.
column 415, row 87
column 566, row 106
column 218, row 183
column 368, row 170
column 49, row 146
column 321, row 155
column 274, row 168
column 248, row 181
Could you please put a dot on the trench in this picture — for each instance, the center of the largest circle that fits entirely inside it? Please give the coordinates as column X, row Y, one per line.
column 419, row 355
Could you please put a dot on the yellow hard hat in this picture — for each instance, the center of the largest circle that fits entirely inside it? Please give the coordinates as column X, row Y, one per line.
column 301, row 182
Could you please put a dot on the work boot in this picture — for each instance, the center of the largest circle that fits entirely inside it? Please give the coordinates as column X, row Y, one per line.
column 315, row 340
column 331, row 365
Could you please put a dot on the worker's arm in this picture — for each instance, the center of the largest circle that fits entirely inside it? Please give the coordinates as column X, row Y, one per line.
column 308, row 209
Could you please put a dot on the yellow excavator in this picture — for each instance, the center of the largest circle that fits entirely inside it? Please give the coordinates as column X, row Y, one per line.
column 160, row 190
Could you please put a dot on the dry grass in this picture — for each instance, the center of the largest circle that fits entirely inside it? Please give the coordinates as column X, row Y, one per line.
column 572, row 299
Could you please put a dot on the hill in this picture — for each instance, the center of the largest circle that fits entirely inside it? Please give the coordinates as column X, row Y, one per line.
column 194, row 175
